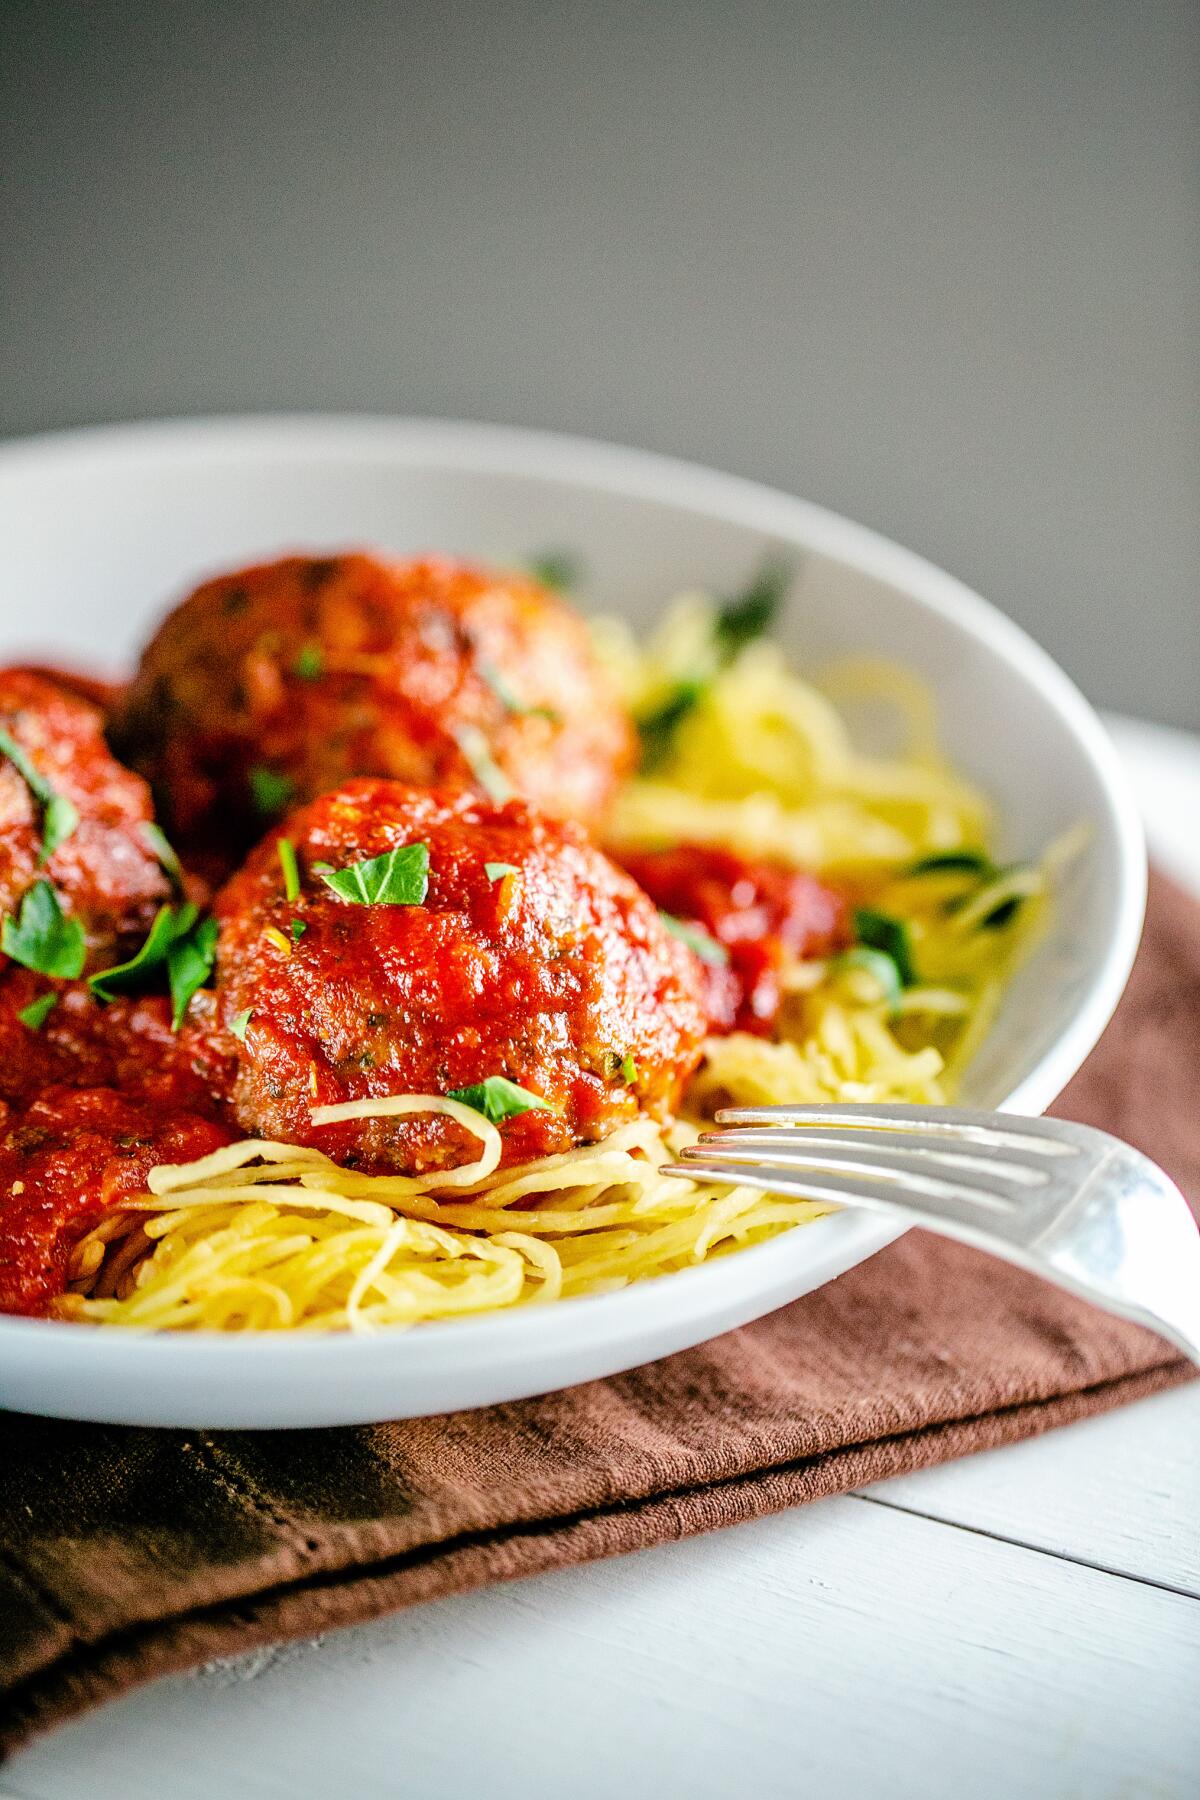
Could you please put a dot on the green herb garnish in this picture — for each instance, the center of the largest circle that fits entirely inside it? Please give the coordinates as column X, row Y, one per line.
column 309, row 662
column 34, row 1016
column 399, row 877
column 189, row 964
column 238, row 1025
column 270, row 790
column 657, row 728
column 877, row 963
column 483, row 764
column 699, row 941
column 291, row 871
column 752, row 612
column 879, row 931
column 497, row 871
column 499, row 1098
column 952, row 862
column 170, row 924
column 628, row 1069
column 159, row 845
column 59, row 816
column 556, row 569
column 298, row 930
column 43, row 938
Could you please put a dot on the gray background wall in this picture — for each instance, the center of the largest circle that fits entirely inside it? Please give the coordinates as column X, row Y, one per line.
column 935, row 265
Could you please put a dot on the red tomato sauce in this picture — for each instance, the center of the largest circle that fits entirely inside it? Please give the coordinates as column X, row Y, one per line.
column 65, row 1161
column 763, row 914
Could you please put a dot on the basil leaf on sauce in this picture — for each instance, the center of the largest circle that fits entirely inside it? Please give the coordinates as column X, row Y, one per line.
column 700, row 942
column 189, row 964
column 498, row 870
column 270, row 790
column 879, row 931
column 59, row 816
column 291, row 869
column 170, row 923
column 159, row 845
column 309, row 663
column 499, row 1098
column 34, row 1016
column 43, row 938
column 399, row 877
column 483, row 764
column 628, row 1070
column 239, row 1024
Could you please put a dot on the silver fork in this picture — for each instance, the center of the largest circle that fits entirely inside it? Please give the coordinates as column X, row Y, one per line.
column 1067, row 1202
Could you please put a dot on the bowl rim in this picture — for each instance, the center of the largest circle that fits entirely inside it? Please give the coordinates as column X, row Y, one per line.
column 572, row 461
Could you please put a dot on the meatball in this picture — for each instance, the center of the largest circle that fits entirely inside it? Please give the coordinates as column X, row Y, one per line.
column 529, row 956
column 59, row 780
column 754, row 918
column 127, row 1044
column 275, row 684
column 66, row 1160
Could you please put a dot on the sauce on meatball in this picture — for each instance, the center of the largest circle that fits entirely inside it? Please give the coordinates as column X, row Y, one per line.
column 104, row 872
column 67, row 1159
column 272, row 685
column 529, row 956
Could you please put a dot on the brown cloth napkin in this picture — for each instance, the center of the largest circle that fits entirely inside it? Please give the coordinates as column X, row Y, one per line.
column 127, row 1553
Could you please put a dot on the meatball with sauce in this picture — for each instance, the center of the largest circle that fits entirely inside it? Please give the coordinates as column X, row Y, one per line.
column 66, row 1160
column 73, row 825
column 426, row 943
column 270, row 686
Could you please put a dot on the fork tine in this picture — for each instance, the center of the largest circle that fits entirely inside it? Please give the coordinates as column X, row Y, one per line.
column 1026, row 1168
column 865, row 1172
column 1045, row 1137
column 869, row 1192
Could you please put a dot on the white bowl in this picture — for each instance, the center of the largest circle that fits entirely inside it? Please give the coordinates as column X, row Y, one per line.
column 101, row 529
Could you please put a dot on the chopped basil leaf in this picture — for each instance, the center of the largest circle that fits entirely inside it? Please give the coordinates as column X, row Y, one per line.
column 556, row 569
column 751, row 613
column 656, row 729
column 156, row 840
column 42, row 938
column 399, row 877
column 170, row 923
column 309, row 664
column 1002, row 914
column 298, row 930
column 189, row 964
column 628, row 1069
column 59, row 816
column 34, row 1016
column 59, row 819
column 291, row 871
column 238, row 1025
column 877, row 963
column 499, row 1098
column 879, row 931
column 700, row 942
column 484, row 766
column 270, row 790
column 952, row 862
column 497, row 871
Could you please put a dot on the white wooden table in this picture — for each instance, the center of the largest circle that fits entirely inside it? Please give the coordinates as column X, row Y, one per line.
column 1024, row 1624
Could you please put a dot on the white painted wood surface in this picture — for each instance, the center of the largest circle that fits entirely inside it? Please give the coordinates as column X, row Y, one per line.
column 1024, row 1625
